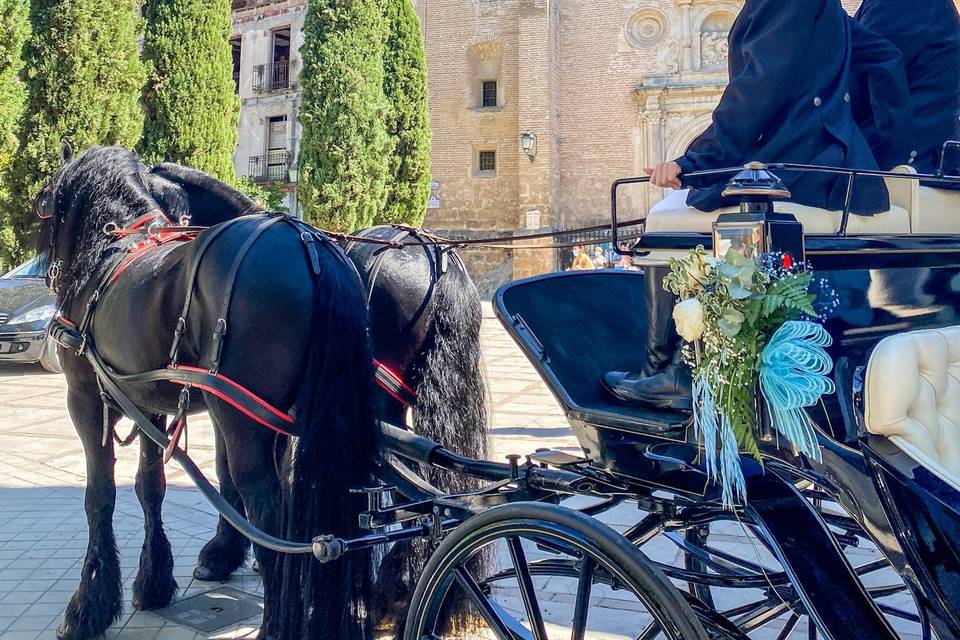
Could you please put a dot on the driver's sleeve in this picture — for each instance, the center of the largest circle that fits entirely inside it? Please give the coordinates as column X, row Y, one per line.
column 881, row 96
column 774, row 41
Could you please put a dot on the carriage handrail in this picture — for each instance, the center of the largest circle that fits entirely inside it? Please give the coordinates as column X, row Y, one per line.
column 852, row 174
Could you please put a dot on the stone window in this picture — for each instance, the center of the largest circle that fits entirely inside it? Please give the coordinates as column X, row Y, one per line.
column 487, row 162
column 484, row 91
column 489, row 93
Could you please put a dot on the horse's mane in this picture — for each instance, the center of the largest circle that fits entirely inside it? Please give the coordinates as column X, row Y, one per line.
column 184, row 191
column 103, row 185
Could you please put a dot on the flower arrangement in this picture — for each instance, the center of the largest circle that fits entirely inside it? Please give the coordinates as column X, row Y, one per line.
column 749, row 322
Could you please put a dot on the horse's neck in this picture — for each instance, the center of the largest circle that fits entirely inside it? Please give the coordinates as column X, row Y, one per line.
column 134, row 321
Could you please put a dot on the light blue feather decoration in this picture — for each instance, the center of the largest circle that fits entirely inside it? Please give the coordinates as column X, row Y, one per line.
column 710, row 425
column 793, row 374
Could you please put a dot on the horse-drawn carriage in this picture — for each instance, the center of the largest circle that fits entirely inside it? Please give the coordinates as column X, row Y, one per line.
column 512, row 553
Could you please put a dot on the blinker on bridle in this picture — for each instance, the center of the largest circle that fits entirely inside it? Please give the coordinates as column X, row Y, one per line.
column 44, row 208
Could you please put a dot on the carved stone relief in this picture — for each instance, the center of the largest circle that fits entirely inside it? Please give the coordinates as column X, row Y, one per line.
column 646, row 28
column 668, row 57
column 714, row 33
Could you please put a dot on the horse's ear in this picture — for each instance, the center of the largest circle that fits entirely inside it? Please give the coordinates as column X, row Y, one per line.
column 66, row 152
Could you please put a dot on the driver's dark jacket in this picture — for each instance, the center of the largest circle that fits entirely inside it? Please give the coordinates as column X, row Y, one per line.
column 927, row 32
column 787, row 101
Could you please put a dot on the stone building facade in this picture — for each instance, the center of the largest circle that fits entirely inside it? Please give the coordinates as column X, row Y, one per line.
column 267, row 35
column 536, row 107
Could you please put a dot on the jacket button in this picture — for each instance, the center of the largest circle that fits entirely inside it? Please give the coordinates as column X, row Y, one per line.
column 846, row 97
column 817, row 101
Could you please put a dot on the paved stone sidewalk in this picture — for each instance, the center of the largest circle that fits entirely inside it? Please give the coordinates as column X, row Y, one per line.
column 43, row 528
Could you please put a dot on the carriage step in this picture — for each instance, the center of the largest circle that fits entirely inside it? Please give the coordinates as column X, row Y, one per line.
column 557, row 459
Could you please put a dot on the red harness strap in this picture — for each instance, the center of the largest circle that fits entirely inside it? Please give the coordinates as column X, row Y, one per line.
column 226, row 397
column 164, row 236
column 393, row 384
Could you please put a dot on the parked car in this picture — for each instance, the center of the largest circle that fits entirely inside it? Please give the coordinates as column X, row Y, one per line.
column 26, row 309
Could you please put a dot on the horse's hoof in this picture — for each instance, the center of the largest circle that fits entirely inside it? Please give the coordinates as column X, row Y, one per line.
column 206, row 574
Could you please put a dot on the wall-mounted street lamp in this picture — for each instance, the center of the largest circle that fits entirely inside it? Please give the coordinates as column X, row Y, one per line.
column 528, row 142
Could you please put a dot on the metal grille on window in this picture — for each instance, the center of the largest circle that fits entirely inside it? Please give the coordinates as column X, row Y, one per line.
column 490, row 93
column 488, row 161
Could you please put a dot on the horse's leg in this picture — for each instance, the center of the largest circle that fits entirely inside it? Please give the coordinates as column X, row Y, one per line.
column 97, row 602
column 250, row 451
column 154, row 586
column 227, row 550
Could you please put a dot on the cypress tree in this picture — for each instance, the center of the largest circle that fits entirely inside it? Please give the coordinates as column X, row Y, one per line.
column 344, row 151
column 191, row 109
column 15, row 27
column 408, row 120
column 84, row 78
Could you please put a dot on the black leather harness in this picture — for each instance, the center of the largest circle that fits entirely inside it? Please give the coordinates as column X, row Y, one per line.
column 78, row 336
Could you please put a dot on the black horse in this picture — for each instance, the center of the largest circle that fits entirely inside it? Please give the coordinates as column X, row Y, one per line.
column 296, row 337
column 425, row 318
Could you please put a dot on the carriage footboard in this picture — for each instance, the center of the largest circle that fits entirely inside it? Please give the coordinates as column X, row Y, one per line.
column 827, row 585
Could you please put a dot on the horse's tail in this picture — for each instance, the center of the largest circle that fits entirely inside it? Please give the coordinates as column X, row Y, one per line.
column 451, row 405
column 335, row 452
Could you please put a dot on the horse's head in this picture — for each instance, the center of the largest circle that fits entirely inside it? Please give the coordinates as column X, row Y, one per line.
column 100, row 186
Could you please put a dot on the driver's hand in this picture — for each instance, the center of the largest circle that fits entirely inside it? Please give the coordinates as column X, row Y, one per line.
column 665, row 175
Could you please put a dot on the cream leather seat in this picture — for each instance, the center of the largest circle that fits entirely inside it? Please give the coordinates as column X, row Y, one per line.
column 937, row 211
column 673, row 215
column 912, row 396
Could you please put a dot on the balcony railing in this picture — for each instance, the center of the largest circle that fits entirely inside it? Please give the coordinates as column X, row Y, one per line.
column 268, row 78
column 273, row 167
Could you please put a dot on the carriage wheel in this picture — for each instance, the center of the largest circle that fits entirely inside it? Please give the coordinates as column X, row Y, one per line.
column 545, row 555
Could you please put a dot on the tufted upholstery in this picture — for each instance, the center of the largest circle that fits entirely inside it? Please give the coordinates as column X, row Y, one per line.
column 912, row 396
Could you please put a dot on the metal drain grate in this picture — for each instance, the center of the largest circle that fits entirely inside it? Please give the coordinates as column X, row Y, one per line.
column 213, row 610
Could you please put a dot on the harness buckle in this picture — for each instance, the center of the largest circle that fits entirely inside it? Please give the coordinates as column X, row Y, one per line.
column 177, row 334
column 110, row 228
column 218, row 334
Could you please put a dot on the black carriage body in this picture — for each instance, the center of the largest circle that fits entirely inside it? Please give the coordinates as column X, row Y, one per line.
column 575, row 326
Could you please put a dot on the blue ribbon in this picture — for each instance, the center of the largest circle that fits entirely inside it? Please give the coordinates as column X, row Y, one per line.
column 793, row 374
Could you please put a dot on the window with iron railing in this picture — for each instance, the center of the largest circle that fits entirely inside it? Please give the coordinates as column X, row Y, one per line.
column 272, row 167
column 268, row 78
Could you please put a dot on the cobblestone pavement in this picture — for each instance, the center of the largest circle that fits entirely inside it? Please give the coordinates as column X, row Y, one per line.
column 43, row 527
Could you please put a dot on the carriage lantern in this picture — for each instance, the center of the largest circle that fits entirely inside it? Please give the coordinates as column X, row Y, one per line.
column 757, row 228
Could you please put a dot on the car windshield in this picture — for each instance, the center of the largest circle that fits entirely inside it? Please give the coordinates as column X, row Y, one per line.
column 32, row 269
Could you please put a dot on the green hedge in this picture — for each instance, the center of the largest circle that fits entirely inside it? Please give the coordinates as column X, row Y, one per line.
column 191, row 108
column 84, row 78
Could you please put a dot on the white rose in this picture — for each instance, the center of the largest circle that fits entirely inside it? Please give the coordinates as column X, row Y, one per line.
column 698, row 269
column 688, row 316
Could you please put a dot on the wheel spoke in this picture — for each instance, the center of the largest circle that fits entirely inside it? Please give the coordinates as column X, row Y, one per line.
column 761, row 617
column 582, row 607
column 651, row 631
column 870, row 567
column 492, row 613
column 789, row 626
column 527, row 591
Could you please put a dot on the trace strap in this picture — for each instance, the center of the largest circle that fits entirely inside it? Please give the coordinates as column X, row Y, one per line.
column 393, row 384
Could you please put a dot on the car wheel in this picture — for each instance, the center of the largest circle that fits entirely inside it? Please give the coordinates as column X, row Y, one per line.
column 50, row 360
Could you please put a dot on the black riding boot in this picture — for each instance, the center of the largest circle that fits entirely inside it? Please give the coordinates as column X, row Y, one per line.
column 664, row 382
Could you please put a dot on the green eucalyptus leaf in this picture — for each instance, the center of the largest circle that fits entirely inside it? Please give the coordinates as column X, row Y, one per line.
column 728, row 328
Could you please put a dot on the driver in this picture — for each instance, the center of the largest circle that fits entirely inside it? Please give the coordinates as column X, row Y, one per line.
column 927, row 32
column 787, row 101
